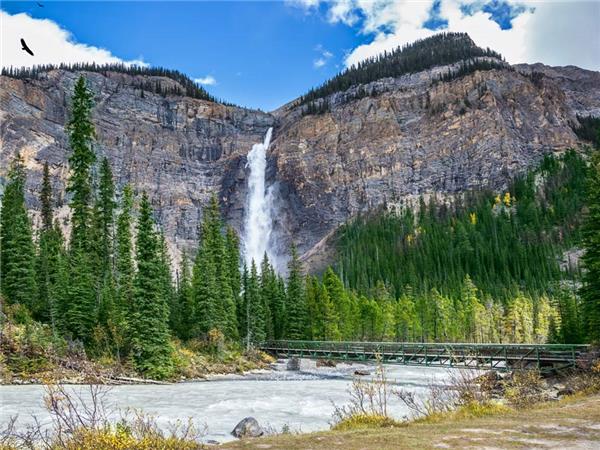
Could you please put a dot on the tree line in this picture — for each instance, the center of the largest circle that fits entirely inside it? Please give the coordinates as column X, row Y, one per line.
column 187, row 87
column 438, row 50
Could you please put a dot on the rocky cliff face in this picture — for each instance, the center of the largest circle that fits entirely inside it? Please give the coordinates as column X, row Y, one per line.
column 412, row 136
column 180, row 150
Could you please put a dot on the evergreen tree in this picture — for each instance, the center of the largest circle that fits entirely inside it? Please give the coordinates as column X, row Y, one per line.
column 182, row 317
column 16, row 242
column 341, row 302
column 124, row 270
column 103, row 234
column 81, row 308
column 296, row 313
column 50, row 259
column 268, row 293
column 254, row 307
column 81, row 134
column 232, row 251
column 149, row 322
column 211, row 282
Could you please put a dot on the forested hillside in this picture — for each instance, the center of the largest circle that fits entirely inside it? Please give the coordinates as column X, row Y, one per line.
column 439, row 50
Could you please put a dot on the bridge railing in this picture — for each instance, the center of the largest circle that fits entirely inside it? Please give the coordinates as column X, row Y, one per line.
column 495, row 356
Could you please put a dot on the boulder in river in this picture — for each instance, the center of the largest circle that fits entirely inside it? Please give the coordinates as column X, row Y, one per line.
column 248, row 427
column 361, row 373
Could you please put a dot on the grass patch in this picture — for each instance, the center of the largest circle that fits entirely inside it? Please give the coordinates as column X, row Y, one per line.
column 473, row 410
column 365, row 421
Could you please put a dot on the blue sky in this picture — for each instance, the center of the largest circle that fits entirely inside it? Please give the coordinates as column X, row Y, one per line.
column 263, row 54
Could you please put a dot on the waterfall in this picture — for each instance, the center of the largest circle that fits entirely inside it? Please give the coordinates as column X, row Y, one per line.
column 258, row 225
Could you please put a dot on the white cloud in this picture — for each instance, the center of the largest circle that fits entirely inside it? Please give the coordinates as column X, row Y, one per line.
column 553, row 32
column 319, row 62
column 50, row 44
column 208, row 80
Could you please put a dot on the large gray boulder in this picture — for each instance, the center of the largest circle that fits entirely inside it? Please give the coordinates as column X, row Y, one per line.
column 248, row 427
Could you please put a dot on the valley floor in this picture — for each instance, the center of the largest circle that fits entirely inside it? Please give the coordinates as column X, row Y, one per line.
column 572, row 423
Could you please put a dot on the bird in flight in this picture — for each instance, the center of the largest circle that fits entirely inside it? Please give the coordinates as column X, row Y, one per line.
column 40, row 5
column 24, row 47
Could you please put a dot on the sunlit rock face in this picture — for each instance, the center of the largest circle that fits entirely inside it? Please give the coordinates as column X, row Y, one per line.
column 411, row 137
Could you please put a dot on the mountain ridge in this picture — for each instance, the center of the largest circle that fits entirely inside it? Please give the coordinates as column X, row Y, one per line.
column 413, row 135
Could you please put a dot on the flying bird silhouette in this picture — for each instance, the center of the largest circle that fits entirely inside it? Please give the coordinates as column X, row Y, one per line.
column 40, row 5
column 24, row 47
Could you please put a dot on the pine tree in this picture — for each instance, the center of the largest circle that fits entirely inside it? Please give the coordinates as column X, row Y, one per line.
column 296, row 313
column 124, row 259
column 211, row 282
column 232, row 250
column 81, row 134
column 103, row 233
column 182, row 317
column 268, row 293
column 50, row 259
column 81, row 308
column 590, row 291
column 254, row 307
column 339, row 298
column 16, row 242
column 149, row 322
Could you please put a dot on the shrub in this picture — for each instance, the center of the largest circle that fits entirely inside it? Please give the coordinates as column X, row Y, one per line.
column 361, row 421
column 524, row 388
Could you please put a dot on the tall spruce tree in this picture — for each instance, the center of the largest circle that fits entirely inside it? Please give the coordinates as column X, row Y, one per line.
column 17, row 259
column 215, row 304
column 182, row 317
column 296, row 312
column 254, row 308
column 149, row 323
column 124, row 254
column 81, row 308
column 104, row 246
column 590, row 291
column 50, row 259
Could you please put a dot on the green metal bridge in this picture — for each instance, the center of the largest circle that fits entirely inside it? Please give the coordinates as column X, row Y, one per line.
column 469, row 356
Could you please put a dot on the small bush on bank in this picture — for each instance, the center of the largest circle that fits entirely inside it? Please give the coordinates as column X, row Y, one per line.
column 524, row 389
column 362, row 421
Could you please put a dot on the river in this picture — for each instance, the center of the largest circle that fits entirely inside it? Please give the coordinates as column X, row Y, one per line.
column 302, row 401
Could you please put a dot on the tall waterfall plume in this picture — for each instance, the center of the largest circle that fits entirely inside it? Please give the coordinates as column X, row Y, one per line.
column 258, row 225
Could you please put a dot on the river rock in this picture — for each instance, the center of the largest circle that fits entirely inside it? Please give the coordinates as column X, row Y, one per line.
column 361, row 373
column 248, row 427
column 293, row 364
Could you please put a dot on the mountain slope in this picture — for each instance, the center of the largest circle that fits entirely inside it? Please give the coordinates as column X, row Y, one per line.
column 386, row 141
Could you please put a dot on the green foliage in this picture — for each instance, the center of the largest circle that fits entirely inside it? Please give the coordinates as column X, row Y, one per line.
column 296, row 311
column 17, row 257
column 590, row 291
column 215, row 305
column 503, row 243
column 254, row 308
column 81, row 134
column 149, row 320
column 589, row 129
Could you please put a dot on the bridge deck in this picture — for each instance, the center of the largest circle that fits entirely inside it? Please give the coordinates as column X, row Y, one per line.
column 476, row 356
